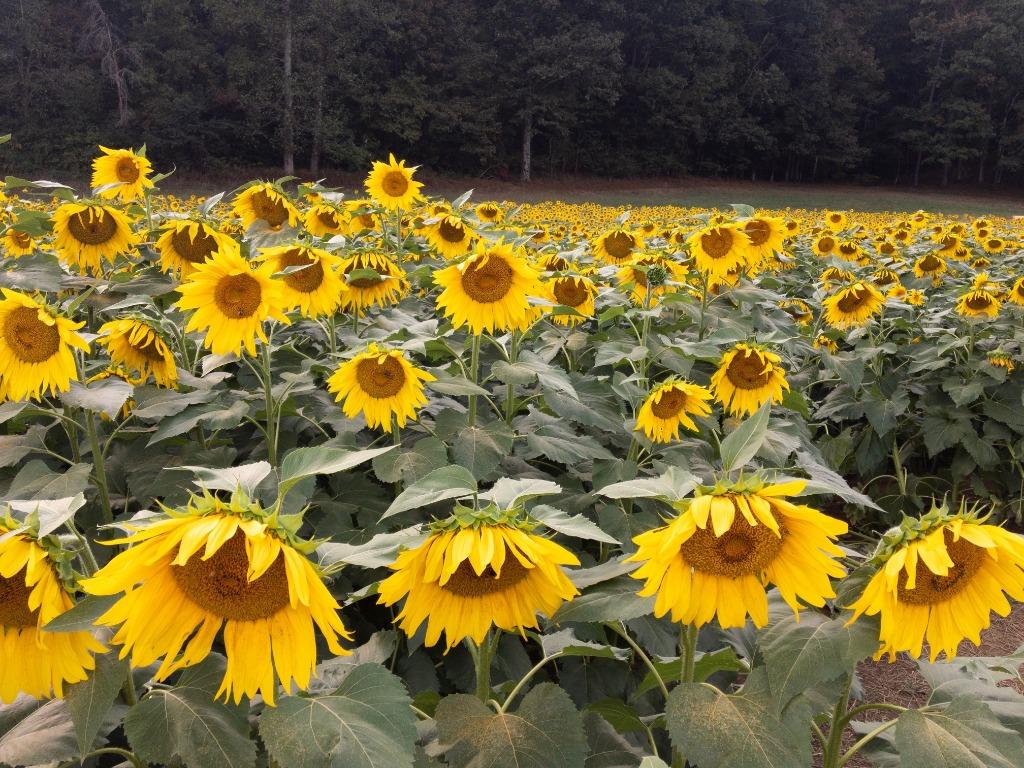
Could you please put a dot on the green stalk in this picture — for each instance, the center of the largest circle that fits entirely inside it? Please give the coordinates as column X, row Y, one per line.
column 474, row 374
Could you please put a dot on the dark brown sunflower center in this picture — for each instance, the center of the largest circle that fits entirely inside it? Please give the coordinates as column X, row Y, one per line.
column 127, row 170
column 742, row 550
column 270, row 209
column 221, row 584
column 570, row 292
column 194, row 250
column 380, row 379
column 489, row 282
column 451, row 233
column 930, row 263
column 758, row 231
column 30, row 339
column 930, row 588
column 14, row 610
column 93, row 226
column 826, row 244
column 717, row 243
column 671, row 403
column 238, row 296
column 852, row 300
column 329, row 219
column 304, row 280
column 619, row 245
column 748, row 371
column 395, row 183
column 465, row 583
column 979, row 301
column 21, row 239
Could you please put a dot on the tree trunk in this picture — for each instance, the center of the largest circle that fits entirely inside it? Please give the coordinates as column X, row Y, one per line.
column 527, row 147
column 288, row 119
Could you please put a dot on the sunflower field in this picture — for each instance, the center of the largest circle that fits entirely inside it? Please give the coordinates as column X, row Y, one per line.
column 298, row 479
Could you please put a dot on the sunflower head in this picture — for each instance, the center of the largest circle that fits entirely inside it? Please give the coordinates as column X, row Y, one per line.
column 938, row 578
column 391, row 184
column 478, row 569
column 122, row 174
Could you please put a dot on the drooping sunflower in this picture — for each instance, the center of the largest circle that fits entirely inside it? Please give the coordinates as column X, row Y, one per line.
column 231, row 300
column 728, row 544
column 824, row 246
column 979, row 301
column 264, row 202
column 617, row 246
column 36, row 662
column 324, row 219
column 388, row 286
column 939, row 579
column 123, row 168
column 36, row 348
column 381, row 384
column 853, row 306
column 836, row 220
column 475, row 571
column 215, row 564
column 134, row 343
column 450, row 235
column 930, row 265
column 391, row 184
column 490, row 290
column 748, row 377
column 17, row 243
column 85, row 234
column 184, row 244
column 669, row 406
column 576, row 291
column 720, row 249
column 317, row 288
column 491, row 213
column 766, row 234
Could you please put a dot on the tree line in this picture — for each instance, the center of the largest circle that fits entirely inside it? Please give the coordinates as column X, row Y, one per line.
column 896, row 91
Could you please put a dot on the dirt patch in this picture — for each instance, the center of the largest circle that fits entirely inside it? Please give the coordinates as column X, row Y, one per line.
column 900, row 682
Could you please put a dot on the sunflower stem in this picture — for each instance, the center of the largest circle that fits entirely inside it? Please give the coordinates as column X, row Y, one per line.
column 474, row 375
column 688, row 652
column 98, row 467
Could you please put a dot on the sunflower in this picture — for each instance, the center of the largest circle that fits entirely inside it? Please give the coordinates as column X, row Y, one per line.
column 264, row 202
column 35, row 348
column 185, row 244
column 720, row 249
column 766, row 235
column 122, row 174
column 940, row 578
column 728, row 544
column 36, row 662
column 252, row 579
column 134, row 343
column 324, row 219
column 86, row 233
column 17, row 243
column 853, row 305
column 231, row 300
column 450, row 236
column 836, row 220
column 824, row 246
column 491, row 213
column 382, row 385
column 574, row 291
column 391, row 184
column 617, row 246
column 489, row 291
column 1016, row 294
column 747, row 378
column 364, row 291
column 317, row 287
column 476, row 571
column 930, row 265
column 669, row 406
